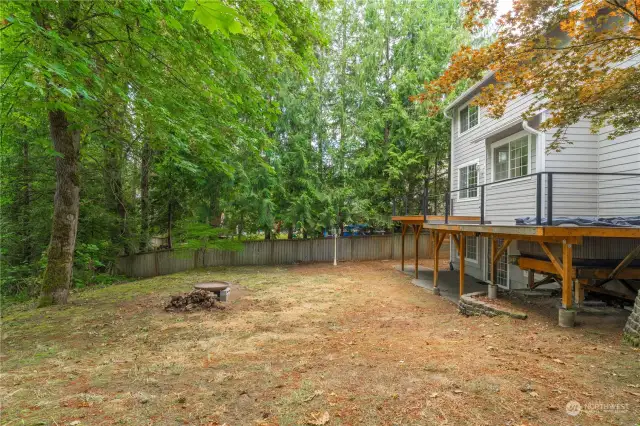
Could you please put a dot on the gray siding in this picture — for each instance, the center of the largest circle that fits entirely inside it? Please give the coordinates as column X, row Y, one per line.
column 619, row 196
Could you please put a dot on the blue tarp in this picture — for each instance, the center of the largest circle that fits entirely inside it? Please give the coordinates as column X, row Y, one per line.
column 615, row 222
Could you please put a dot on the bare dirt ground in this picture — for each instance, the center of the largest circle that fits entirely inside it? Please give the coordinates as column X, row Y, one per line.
column 309, row 344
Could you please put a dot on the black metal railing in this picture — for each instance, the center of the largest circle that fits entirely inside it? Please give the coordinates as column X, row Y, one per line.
column 482, row 190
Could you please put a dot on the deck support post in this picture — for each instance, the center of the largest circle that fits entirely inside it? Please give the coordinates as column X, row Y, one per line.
column 462, row 248
column 436, row 258
column 492, row 291
column 416, row 236
column 438, row 239
column 566, row 315
column 578, row 286
column 404, row 232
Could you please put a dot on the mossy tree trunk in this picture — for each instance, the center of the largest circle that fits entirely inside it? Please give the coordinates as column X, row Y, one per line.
column 66, row 206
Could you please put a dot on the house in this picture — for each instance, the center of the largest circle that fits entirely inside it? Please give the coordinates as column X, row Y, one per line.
column 507, row 153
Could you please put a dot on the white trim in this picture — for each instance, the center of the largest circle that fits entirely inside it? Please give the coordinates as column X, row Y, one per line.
column 462, row 166
column 460, row 108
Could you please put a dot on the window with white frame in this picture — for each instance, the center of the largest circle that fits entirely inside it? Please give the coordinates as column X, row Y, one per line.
column 512, row 157
column 471, row 249
column 468, row 117
column 468, row 181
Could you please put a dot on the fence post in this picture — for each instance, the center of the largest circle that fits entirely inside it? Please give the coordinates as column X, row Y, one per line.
column 539, row 199
column 550, row 199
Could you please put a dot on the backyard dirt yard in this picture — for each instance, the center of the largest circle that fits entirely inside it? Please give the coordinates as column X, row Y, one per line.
column 356, row 344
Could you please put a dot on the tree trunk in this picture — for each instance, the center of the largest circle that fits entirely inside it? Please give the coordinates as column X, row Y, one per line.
column 25, row 222
column 115, row 195
column 290, row 233
column 144, row 196
column 66, row 207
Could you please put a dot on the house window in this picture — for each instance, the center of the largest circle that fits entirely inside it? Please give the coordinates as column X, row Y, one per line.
column 471, row 249
column 502, row 265
column 468, row 117
column 468, row 181
column 511, row 159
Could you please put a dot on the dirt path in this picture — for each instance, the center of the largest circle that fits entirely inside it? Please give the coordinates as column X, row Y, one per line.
column 358, row 342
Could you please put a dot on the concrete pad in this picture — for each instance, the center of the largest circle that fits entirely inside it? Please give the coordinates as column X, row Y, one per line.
column 448, row 283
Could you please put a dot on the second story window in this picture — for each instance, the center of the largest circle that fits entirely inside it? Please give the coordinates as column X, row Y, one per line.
column 468, row 117
column 512, row 157
column 468, row 181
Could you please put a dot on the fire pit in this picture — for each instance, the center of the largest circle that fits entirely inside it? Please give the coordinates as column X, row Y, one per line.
column 222, row 289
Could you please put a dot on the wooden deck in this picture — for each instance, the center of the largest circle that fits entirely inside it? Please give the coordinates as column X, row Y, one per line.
column 460, row 227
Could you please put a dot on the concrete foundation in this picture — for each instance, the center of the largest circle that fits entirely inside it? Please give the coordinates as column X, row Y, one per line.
column 566, row 317
column 492, row 291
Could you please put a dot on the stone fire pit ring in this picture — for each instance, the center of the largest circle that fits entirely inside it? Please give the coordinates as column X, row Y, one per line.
column 222, row 289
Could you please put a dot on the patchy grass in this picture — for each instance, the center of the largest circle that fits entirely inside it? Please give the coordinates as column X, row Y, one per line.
column 357, row 341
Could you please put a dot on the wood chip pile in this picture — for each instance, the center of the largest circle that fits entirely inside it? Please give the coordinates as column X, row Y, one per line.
column 197, row 300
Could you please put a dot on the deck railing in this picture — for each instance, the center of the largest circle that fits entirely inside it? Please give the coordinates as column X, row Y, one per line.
column 615, row 193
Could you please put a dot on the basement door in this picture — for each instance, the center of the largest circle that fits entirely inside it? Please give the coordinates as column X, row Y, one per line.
column 502, row 267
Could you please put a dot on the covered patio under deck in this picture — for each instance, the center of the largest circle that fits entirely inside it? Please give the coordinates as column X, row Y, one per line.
column 574, row 280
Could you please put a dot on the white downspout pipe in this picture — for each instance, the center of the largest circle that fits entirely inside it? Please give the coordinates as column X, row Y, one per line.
column 541, row 146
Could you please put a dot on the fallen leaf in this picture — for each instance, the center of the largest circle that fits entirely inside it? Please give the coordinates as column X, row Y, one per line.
column 434, row 395
column 534, row 394
column 457, row 391
column 559, row 361
column 319, row 420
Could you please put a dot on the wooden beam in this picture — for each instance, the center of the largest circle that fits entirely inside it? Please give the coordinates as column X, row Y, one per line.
column 502, row 249
column 594, row 231
column 536, row 238
column 462, row 250
column 436, row 257
column 416, row 236
column 552, row 258
column 404, row 232
column 625, row 262
column 543, row 266
column 567, row 266
column 608, row 292
column 492, row 263
column 603, row 273
column 440, row 240
column 456, row 240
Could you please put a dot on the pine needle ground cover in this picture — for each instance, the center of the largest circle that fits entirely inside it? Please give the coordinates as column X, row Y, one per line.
column 307, row 344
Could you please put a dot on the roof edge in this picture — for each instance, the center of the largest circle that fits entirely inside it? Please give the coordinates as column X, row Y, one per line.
column 469, row 91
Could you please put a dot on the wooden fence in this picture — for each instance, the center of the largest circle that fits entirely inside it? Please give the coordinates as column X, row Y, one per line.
column 278, row 252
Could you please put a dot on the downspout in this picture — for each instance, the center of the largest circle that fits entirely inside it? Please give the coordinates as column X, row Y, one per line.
column 541, row 142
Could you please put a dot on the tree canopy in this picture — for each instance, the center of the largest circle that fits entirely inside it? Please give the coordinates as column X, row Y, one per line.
column 195, row 123
column 576, row 57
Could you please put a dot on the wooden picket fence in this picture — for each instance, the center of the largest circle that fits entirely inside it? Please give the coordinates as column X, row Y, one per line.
column 278, row 252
